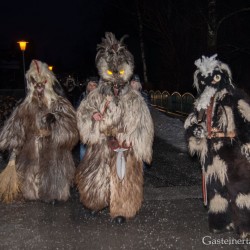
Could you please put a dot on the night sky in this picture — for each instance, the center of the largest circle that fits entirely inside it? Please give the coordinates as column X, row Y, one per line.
column 65, row 34
column 59, row 32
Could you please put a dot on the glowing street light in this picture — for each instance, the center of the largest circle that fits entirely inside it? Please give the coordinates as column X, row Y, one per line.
column 22, row 45
column 50, row 68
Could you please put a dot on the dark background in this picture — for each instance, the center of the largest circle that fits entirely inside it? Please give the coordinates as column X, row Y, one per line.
column 175, row 33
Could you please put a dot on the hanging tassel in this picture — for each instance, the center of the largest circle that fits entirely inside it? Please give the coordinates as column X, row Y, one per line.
column 9, row 183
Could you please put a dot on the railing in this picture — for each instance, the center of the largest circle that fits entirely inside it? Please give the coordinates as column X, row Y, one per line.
column 175, row 102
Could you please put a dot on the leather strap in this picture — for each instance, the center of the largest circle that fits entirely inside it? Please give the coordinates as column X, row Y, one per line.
column 209, row 117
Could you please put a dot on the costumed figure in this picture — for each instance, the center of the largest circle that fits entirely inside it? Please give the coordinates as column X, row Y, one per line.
column 115, row 123
column 218, row 131
column 39, row 135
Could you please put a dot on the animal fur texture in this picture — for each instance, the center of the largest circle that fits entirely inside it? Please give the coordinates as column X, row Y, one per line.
column 41, row 132
column 218, row 130
column 125, row 122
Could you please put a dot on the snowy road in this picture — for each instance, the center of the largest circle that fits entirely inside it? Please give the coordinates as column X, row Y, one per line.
column 169, row 129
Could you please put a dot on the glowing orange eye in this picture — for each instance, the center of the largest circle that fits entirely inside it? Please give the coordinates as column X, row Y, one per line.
column 121, row 72
column 109, row 72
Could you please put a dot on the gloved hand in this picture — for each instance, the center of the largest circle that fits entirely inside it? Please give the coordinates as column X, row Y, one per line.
column 97, row 116
column 245, row 150
column 198, row 131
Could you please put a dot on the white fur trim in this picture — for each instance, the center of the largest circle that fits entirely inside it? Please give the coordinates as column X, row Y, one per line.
column 243, row 201
column 203, row 101
column 217, row 145
column 190, row 120
column 198, row 146
column 218, row 170
column 244, row 109
column 218, row 204
column 245, row 149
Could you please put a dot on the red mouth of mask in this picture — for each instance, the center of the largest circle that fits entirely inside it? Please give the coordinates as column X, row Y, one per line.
column 116, row 89
column 39, row 89
column 40, row 86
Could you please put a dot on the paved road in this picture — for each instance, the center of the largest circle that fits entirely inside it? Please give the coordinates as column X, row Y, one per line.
column 172, row 215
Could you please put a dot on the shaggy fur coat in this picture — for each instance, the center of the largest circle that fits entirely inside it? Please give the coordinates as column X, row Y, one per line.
column 40, row 135
column 218, row 130
column 125, row 124
column 128, row 122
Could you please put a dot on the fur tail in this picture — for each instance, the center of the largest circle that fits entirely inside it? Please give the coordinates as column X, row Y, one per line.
column 9, row 182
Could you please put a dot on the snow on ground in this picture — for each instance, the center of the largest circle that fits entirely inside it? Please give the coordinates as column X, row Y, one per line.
column 170, row 129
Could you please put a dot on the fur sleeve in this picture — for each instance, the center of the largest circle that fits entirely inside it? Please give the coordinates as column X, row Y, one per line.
column 242, row 120
column 64, row 130
column 89, row 129
column 139, row 128
column 12, row 134
column 244, row 109
column 195, row 145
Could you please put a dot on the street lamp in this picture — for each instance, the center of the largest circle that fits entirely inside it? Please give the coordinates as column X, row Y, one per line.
column 22, row 45
column 50, row 68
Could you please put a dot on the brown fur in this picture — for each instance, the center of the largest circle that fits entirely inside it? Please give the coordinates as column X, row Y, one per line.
column 9, row 183
column 93, row 176
column 125, row 121
column 42, row 131
column 96, row 176
column 126, row 195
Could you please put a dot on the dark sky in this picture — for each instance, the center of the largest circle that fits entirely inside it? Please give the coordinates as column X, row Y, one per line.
column 57, row 31
column 65, row 34
column 65, row 31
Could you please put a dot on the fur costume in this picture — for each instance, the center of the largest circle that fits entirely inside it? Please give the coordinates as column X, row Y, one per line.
column 218, row 130
column 40, row 135
column 115, row 123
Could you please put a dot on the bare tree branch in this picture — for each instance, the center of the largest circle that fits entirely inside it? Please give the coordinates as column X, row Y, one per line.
column 229, row 16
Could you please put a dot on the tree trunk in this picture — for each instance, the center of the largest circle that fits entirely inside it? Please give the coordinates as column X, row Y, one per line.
column 143, row 57
column 212, row 27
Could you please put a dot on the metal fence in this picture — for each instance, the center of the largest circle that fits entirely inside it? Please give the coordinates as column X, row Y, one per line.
column 175, row 102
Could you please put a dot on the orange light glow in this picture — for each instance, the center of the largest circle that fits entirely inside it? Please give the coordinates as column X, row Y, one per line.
column 22, row 45
column 50, row 68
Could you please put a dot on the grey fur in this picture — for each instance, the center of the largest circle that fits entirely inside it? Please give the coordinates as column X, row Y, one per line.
column 42, row 131
column 126, row 119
